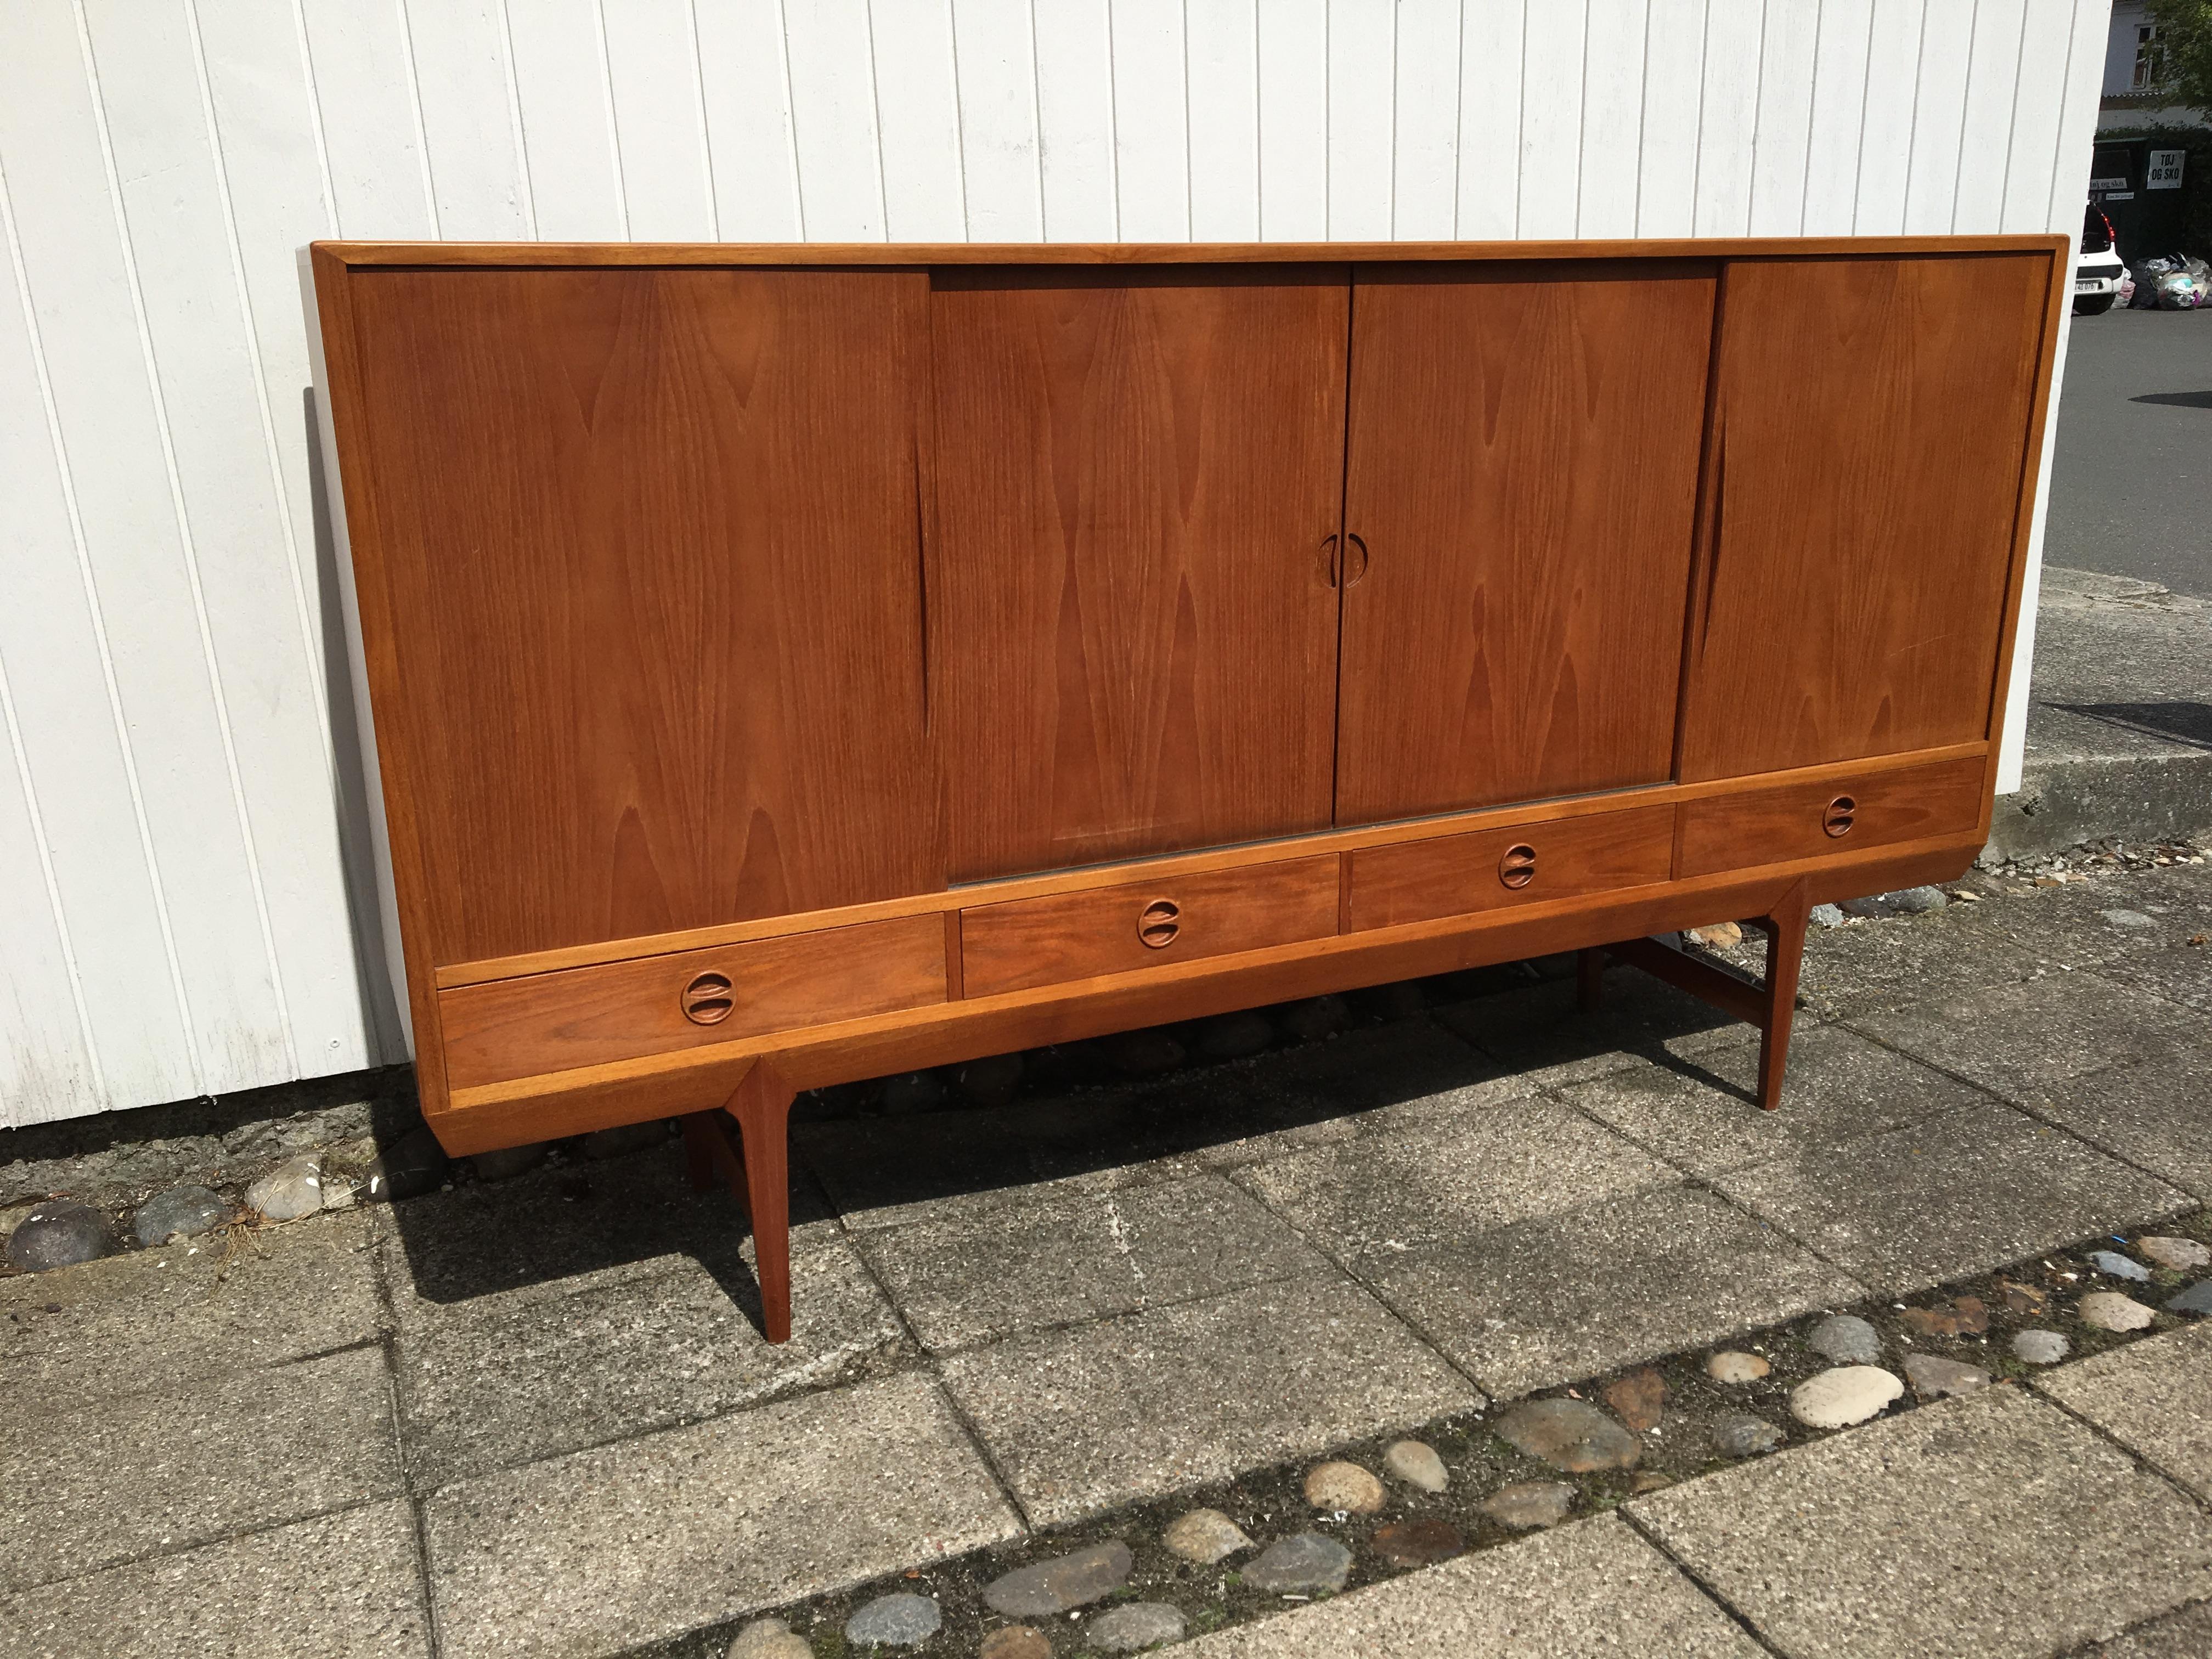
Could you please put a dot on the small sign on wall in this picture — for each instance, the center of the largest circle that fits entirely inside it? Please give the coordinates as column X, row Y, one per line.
column 2164, row 172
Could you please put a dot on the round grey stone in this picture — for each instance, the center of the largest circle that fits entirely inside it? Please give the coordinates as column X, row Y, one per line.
column 1844, row 1395
column 770, row 1639
column 1063, row 1582
column 412, row 1165
column 1135, row 1626
column 1934, row 1376
column 1300, row 1565
column 1314, row 1018
column 1734, row 1365
column 2040, row 1347
column 181, row 1212
column 1206, row 1536
column 509, row 1161
column 1344, row 1488
column 2127, row 919
column 59, row 1233
column 1845, row 1339
column 1235, row 1036
column 2113, row 1265
column 1571, row 1435
column 1827, row 915
column 2109, row 1310
column 1916, row 901
column 2182, row 1254
column 1739, row 1434
column 903, row 1620
column 1529, row 1504
column 1416, row 1463
column 2196, row 1299
column 292, row 1190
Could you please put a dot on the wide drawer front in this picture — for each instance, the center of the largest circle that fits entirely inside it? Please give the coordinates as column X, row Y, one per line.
column 1521, row 864
column 1841, row 815
column 1138, row 924
column 513, row 1028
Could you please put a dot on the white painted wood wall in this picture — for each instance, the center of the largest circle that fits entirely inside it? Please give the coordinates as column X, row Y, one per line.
column 181, row 833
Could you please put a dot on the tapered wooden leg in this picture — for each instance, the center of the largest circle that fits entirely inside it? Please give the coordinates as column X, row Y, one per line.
column 761, row 1106
column 1589, row 977
column 1785, row 955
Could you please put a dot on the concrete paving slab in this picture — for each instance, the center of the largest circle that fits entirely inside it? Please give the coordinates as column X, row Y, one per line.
column 145, row 1320
column 622, row 1544
column 1881, row 964
column 1565, row 1295
column 1156, row 1401
column 2181, row 974
column 2184, row 1635
column 343, row 1586
column 110, row 1482
column 1959, row 1194
column 505, row 1378
column 1590, row 1589
column 1541, row 1033
column 1991, row 1525
column 1436, row 1182
column 1066, row 1256
column 2151, row 1115
column 1703, row 1115
column 2154, row 1397
column 2016, row 1038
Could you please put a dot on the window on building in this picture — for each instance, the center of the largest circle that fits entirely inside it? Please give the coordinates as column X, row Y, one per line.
column 2150, row 70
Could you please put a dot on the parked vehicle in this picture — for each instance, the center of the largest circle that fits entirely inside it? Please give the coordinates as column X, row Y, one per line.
column 2097, row 272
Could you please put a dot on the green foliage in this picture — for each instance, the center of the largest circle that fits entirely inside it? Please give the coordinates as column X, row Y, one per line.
column 2184, row 45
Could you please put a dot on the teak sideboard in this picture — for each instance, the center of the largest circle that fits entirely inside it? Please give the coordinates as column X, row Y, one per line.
column 791, row 664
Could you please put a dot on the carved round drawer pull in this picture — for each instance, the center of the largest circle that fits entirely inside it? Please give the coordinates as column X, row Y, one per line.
column 1840, row 815
column 1518, row 867
column 1158, row 923
column 706, row 1000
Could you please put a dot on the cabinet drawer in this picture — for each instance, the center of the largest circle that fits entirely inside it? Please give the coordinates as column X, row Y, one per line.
column 513, row 1028
column 1519, row 864
column 1841, row 815
column 1119, row 929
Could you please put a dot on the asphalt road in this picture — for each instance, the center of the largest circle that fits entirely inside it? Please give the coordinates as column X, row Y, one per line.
column 2131, row 482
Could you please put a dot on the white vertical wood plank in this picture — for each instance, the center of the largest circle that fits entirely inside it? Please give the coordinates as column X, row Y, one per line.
column 1552, row 117
column 753, row 156
column 1075, row 120
column 1674, row 96
column 2077, row 126
column 1613, row 117
column 1790, row 42
column 2038, row 102
column 357, row 54
column 1362, row 90
column 1000, row 142
column 1490, row 119
column 1152, row 139
column 1839, row 104
column 918, row 111
column 460, row 76
column 1985, row 138
column 91, row 854
column 1294, row 113
column 560, row 89
column 833, row 108
column 1425, row 143
column 1886, row 146
column 209, row 402
column 1727, row 119
column 653, row 70
column 1946, row 45
column 1222, row 77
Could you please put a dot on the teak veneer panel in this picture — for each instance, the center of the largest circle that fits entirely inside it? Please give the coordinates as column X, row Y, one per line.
column 1463, row 875
column 652, row 541
column 1132, row 635
column 514, row 1028
column 1885, row 806
column 1084, row 935
column 1522, row 474
column 1869, row 424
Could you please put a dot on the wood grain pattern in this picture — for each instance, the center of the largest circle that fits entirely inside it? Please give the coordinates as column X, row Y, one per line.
column 1868, row 439
column 1133, row 638
column 585, row 1016
column 1764, row 826
column 1084, row 935
column 1458, row 875
column 1524, row 470
column 650, row 548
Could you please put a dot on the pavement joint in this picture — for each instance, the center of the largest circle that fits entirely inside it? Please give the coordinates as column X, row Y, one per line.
column 1705, row 1587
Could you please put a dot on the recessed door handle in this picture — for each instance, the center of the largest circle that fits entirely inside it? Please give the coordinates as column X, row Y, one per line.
column 1355, row 559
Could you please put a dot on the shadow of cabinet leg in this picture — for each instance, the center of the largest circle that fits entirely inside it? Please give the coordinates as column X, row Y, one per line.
column 754, row 1163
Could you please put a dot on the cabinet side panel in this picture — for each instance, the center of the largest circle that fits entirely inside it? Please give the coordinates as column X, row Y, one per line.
column 1869, row 423
column 1132, row 631
column 1523, row 473
column 652, row 540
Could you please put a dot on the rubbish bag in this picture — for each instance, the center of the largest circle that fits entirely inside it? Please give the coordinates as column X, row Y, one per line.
column 2124, row 290
column 2187, row 287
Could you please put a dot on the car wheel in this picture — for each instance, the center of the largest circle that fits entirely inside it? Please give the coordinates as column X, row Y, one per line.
column 2096, row 306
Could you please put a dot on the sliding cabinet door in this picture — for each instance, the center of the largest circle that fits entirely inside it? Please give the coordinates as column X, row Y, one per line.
column 1521, row 487
column 1132, row 633
column 1870, row 430
column 650, row 544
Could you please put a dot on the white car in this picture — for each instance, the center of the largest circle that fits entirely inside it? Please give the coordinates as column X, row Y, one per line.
column 2097, row 270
